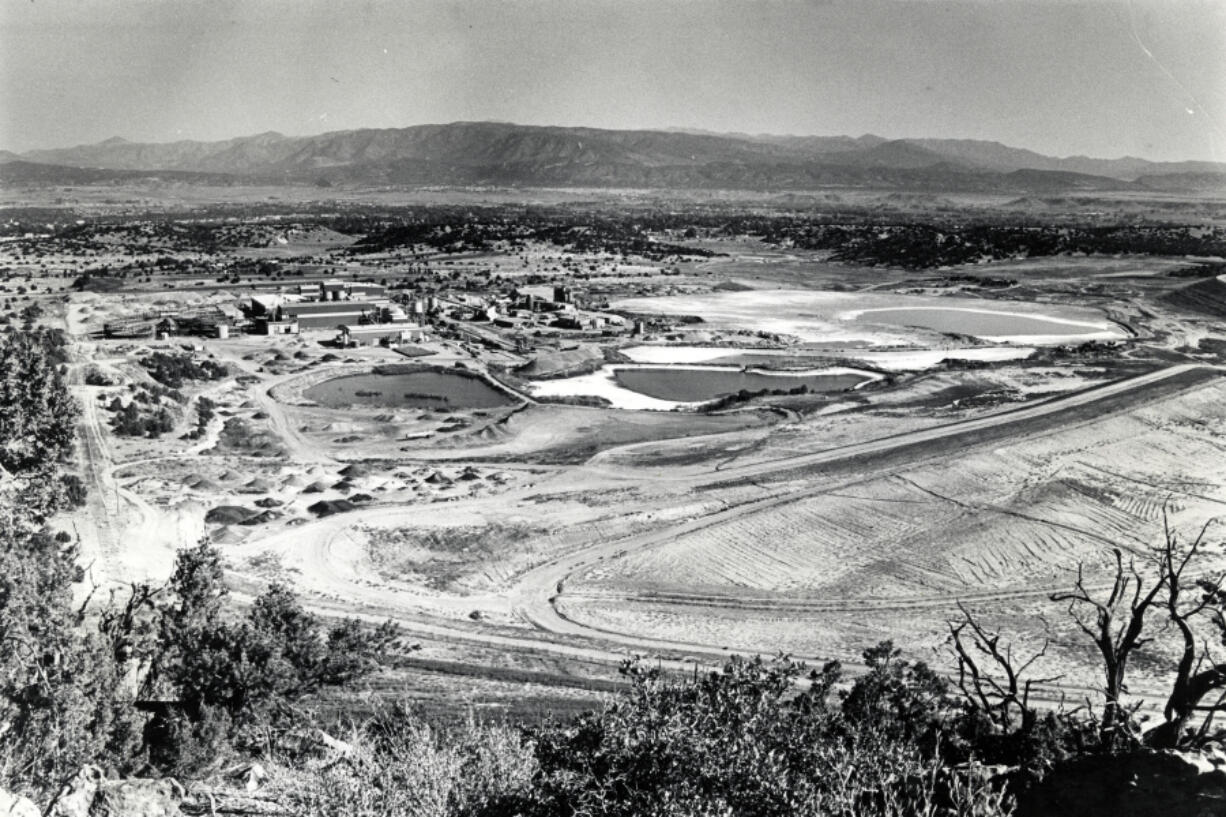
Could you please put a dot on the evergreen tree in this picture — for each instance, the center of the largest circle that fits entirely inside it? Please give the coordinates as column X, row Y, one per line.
column 59, row 692
column 37, row 414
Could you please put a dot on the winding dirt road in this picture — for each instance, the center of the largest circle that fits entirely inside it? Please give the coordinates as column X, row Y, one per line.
column 524, row 616
column 331, row 556
column 536, row 590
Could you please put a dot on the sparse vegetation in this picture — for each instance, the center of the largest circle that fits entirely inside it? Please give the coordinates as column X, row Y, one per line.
column 174, row 370
column 920, row 245
column 205, row 411
column 240, row 437
column 442, row 555
column 142, row 416
column 95, row 377
column 816, row 524
column 226, row 678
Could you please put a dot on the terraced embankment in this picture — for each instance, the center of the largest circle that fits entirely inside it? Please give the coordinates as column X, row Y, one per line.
column 819, row 553
column 999, row 512
column 1207, row 297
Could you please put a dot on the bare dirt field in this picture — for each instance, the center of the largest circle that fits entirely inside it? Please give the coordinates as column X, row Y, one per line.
column 529, row 547
column 1020, row 514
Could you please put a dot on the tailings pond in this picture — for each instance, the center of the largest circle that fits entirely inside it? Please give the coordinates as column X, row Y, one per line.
column 424, row 389
column 664, row 387
column 982, row 323
column 883, row 318
column 691, row 385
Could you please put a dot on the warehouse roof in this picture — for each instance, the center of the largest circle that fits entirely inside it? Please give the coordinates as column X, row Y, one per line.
column 328, row 308
column 377, row 328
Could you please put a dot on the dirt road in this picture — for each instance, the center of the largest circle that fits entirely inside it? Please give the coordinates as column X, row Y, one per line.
column 122, row 537
column 331, row 560
column 535, row 591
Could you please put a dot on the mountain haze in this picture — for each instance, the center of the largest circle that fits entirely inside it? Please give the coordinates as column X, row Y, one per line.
column 498, row 153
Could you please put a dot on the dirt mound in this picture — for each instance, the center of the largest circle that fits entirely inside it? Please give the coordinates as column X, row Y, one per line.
column 317, row 487
column 327, row 507
column 343, row 486
column 355, row 469
column 439, row 478
column 494, row 432
column 361, row 498
column 230, row 476
column 207, row 486
column 563, row 363
column 226, row 536
column 295, row 481
column 262, row 518
column 269, row 502
column 228, row 515
column 259, row 485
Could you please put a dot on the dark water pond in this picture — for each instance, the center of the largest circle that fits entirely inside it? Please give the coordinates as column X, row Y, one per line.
column 691, row 385
column 966, row 322
column 411, row 390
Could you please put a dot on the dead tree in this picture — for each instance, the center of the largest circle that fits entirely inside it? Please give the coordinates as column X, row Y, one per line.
column 1116, row 625
column 991, row 680
column 128, row 630
column 1198, row 676
column 1172, row 588
column 1184, row 598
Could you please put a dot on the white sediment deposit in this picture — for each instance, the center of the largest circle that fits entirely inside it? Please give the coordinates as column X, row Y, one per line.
column 884, row 319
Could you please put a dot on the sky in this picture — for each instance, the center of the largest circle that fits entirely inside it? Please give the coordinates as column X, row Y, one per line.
column 1063, row 77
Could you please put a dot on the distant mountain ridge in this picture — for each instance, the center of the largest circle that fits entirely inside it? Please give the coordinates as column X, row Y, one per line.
column 499, row 153
column 18, row 171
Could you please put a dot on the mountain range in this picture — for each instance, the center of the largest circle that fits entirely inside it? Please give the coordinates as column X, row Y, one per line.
column 495, row 153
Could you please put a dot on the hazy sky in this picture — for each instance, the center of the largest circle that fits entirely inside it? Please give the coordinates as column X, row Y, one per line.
column 1146, row 77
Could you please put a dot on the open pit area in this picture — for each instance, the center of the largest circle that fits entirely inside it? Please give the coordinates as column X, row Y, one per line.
column 586, row 430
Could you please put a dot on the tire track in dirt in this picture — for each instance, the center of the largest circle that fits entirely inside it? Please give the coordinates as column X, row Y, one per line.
column 536, row 592
column 844, row 605
column 532, row 597
column 111, row 560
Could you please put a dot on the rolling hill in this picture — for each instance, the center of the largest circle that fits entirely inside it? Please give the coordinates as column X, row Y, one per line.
column 467, row 153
